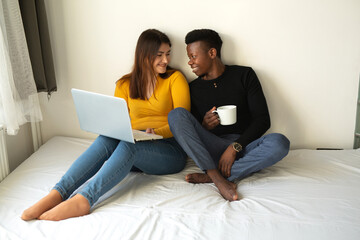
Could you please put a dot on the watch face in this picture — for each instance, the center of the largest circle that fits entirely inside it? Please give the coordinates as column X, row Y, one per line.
column 237, row 146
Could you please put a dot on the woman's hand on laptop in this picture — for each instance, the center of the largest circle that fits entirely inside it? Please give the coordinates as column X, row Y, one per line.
column 150, row 130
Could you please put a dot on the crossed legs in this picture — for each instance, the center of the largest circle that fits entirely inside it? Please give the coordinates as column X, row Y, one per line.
column 206, row 149
column 43, row 205
column 80, row 171
column 52, row 207
column 111, row 160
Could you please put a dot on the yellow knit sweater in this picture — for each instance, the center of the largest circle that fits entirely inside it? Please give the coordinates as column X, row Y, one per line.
column 169, row 93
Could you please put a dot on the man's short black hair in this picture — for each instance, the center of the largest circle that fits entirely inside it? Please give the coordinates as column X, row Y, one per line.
column 210, row 37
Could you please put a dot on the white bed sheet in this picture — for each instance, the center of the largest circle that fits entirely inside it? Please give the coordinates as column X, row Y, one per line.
column 308, row 195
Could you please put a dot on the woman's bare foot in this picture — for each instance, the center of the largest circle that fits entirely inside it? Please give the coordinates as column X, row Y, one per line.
column 227, row 189
column 198, row 178
column 74, row 207
column 44, row 204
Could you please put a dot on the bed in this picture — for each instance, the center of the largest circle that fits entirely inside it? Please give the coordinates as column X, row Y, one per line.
column 310, row 194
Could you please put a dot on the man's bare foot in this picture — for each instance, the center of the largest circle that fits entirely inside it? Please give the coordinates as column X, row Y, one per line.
column 227, row 189
column 44, row 204
column 74, row 207
column 198, row 178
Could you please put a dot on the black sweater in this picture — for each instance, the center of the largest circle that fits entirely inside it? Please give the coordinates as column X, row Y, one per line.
column 238, row 86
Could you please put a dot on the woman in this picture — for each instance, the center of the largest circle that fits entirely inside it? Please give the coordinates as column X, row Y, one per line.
column 151, row 90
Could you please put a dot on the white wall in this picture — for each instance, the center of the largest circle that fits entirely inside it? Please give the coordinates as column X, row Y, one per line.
column 306, row 54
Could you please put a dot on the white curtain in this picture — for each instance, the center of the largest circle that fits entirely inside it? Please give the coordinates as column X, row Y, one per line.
column 19, row 101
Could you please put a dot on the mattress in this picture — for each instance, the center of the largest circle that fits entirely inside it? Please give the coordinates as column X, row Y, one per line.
column 310, row 194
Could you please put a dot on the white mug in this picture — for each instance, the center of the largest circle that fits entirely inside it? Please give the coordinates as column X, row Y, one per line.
column 227, row 114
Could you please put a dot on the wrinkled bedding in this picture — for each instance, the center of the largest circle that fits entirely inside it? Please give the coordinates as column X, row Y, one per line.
column 310, row 194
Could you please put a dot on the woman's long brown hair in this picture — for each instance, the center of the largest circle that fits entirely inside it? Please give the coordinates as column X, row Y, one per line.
column 146, row 51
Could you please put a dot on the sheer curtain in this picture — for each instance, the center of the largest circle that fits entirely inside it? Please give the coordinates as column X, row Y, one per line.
column 18, row 94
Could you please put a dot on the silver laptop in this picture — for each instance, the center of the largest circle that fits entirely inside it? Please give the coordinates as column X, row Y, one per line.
column 106, row 115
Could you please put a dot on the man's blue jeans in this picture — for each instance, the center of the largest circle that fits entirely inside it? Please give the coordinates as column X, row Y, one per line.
column 205, row 148
column 110, row 160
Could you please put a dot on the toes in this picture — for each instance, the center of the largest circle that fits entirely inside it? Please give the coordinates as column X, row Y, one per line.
column 235, row 197
column 30, row 214
column 27, row 217
column 188, row 178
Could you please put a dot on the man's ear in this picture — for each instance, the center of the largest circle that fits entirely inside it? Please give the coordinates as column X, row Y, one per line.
column 212, row 53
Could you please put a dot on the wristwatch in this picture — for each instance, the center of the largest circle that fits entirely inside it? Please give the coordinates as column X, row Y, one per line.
column 237, row 146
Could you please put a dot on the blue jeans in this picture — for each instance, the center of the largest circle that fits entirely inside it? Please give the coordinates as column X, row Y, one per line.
column 205, row 148
column 110, row 160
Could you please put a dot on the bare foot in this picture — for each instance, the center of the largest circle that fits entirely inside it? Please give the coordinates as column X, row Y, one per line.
column 44, row 204
column 227, row 189
column 198, row 178
column 74, row 207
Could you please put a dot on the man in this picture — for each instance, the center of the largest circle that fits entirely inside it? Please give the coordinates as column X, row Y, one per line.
column 232, row 152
